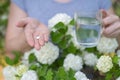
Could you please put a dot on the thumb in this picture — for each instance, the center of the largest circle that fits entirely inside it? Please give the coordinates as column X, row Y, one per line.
column 23, row 22
column 104, row 13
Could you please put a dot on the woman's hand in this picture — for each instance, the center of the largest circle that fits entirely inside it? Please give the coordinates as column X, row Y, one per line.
column 36, row 33
column 111, row 25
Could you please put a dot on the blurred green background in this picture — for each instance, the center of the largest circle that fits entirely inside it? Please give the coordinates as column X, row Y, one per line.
column 4, row 7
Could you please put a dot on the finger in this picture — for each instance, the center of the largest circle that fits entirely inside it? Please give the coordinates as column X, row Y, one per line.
column 46, row 37
column 23, row 22
column 104, row 13
column 29, row 35
column 112, row 28
column 114, row 34
column 36, row 45
column 110, row 19
column 41, row 40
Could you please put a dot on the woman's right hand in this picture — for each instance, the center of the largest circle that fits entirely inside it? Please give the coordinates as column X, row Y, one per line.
column 36, row 33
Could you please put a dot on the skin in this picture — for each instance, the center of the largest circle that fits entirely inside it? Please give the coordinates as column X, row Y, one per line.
column 111, row 24
column 22, row 31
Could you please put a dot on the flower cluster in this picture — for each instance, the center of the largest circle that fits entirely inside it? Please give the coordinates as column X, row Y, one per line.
column 80, row 76
column 30, row 75
column 90, row 59
column 63, row 57
column 104, row 63
column 14, row 73
column 73, row 62
column 48, row 53
column 61, row 17
column 107, row 45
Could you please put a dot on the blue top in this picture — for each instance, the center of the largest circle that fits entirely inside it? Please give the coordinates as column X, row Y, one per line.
column 43, row 10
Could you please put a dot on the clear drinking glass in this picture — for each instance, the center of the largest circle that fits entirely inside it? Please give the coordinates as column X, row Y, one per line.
column 88, row 28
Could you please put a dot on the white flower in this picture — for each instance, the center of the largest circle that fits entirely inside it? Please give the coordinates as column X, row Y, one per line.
column 21, row 69
column 73, row 62
column 61, row 17
column 84, row 79
column 25, row 58
column 9, row 73
column 118, row 53
column 30, row 75
column 107, row 45
column 104, row 64
column 80, row 76
column 90, row 59
column 118, row 78
column 119, row 62
column 47, row 54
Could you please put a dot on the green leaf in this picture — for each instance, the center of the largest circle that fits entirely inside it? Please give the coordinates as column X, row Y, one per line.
column 63, row 44
column 32, row 58
column 42, row 71
column 72, row 22
column 9, row 61
column 33, row 67
column 15, row 60
column 92, row 49
column 71, row 74
column 60, row 25
column 71, row 48
column 63, row 31
column 61, row 74
column 49, row 75
column 56, row 37
column 115, row 59
column 108, row 76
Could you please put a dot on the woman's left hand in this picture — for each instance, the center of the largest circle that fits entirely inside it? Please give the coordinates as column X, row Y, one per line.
column 111, row 25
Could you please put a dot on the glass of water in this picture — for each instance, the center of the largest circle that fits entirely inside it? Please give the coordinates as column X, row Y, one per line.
column 88, row 28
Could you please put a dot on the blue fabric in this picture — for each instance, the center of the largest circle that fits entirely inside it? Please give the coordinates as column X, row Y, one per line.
column 43, row 10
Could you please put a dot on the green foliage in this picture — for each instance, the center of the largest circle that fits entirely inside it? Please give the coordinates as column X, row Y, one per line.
column 49, row 75
column 72, row 22
column 13, row 61
column 116, row 6
column 115, row 59
column 71, row 48
column 42, row 71
column 61, row 74
column 59, row 34
column 60, row 38
column 32, row 58
column 33, row 67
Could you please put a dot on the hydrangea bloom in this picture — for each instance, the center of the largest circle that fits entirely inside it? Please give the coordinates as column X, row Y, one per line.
column 80, row 76
column 9, row 73
column 90, row 59
column 73, row 62
column 47, row 54
column 26, row 57
column 118, row 78
column 61, row 17
column 107, row 45
column 21, row 69
column 104, row 63
column 30, row 75
column 118, row 53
